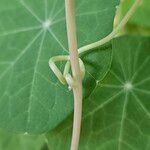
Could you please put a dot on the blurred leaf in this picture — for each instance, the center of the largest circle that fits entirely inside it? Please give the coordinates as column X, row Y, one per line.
column 141, row 16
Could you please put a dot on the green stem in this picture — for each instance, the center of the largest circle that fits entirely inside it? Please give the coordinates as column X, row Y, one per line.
column 55, row 69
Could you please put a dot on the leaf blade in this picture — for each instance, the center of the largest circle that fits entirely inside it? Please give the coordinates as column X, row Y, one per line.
column 29, row 85
column 116, row 115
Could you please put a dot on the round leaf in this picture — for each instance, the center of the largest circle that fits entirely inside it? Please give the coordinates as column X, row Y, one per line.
column 116, row 115
column 31, row 98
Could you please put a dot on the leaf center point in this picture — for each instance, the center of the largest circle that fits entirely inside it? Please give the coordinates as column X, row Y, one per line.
column 46, row 24
column 128, row 86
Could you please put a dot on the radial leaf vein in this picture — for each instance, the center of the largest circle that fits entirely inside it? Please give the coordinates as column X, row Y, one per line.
column 122, row 122
column 33, row 79
column 30, row 10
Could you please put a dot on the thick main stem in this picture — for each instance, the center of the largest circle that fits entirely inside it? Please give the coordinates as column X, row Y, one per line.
column 77, row 78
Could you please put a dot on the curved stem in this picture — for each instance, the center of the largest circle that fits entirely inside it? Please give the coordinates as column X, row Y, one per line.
column 54, row 68
column 114, row 32
column 67, row 68
column 76, row 72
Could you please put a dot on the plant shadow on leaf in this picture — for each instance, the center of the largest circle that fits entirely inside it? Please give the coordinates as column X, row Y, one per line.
column 97, row 64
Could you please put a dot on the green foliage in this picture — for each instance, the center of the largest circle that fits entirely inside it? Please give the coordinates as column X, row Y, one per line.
column 116, row 115
column 116, row 111
column 31, row 98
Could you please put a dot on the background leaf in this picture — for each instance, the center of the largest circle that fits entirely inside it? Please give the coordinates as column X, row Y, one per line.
column 141, row 16
column 139, row 22
column 116, row 116
column 31, row 98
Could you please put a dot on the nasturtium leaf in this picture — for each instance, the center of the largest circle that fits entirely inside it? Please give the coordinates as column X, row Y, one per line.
column 116, row 116
column 21, row 142
column 141, row 16
column 31, row 98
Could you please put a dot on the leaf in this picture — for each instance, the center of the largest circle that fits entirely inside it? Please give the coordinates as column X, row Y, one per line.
column 116, row 116
column 31, row 98
column 141, row 16
column 20, row 142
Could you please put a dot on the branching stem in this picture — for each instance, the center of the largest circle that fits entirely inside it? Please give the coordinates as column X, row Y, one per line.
column 90, row 47
column 77, row 66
